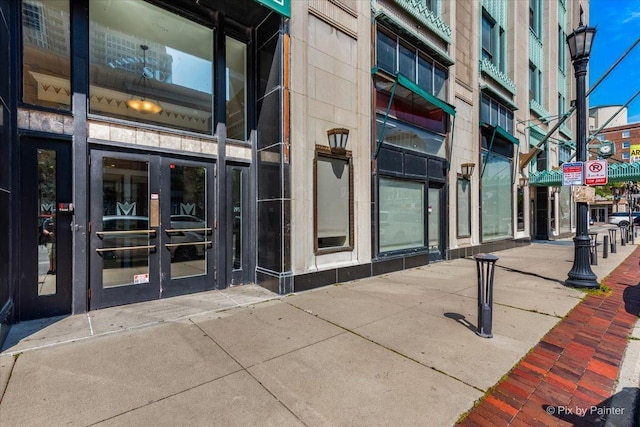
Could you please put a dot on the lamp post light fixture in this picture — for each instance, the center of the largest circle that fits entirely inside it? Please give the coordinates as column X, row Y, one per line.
column 580, row 42
column 338, row 140
column 467, row 170
column 524, row 181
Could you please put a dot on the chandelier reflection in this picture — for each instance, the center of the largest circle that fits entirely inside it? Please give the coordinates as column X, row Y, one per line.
column 140, row 103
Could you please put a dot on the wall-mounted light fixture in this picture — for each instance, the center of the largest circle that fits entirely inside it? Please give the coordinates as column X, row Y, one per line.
column 524, row 180
column 140, row 103
column 338, row 140
column 467, row 170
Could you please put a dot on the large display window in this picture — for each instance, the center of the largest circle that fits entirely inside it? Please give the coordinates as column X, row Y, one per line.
column 401, row 214
column 149, row 65
column 46, row 47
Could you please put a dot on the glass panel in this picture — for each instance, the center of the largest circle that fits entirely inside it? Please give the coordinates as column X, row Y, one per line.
column 46, row 222
column 45, row 55
column 236, row 89
column 405, row 136
column 487, row 42
column 125, row 192
column 496, row 197
column 565, row 208
column 464, row 213
column 439, row 83
column 408, row 62
column 425, row 74
column 236, row 200
column 485, row 110
column 332, row 207
column 401, row 214
column 520, row 223
column 188, row 213
column 139, row 52
column 434, row 220
column 386, row 50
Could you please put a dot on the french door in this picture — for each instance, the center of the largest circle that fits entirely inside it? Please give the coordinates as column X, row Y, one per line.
column 152, row 227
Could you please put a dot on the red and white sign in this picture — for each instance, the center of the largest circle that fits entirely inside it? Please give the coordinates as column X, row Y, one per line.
column 595, row 172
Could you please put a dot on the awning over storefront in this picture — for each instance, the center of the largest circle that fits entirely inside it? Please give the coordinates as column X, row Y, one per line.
column 404, row 88
column 500, row 132
column 283, row 7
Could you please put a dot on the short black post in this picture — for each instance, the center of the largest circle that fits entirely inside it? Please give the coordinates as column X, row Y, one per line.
column 632, row 229
column 623, row 235
column 605, row 246
column 612, row 237
column 485, row 264
column 594, row 248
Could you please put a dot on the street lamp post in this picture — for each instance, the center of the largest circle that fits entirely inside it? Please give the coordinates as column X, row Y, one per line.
column 580, row 42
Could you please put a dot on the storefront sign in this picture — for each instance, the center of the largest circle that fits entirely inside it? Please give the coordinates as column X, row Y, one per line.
column 584, row 194
column 572, row 173
column 595, row 172
column 634, row 153
column 283, row 7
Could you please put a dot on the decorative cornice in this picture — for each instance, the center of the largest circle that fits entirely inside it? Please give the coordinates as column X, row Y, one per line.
column 429, row 18
column 537, row 108
column 488, row 67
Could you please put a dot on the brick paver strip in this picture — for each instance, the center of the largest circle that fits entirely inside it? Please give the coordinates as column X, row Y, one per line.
column 574, row 367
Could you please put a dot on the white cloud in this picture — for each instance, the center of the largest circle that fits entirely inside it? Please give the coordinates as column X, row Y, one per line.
column 631, row 17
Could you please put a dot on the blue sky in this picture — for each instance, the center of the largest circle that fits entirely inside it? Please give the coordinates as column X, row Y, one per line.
column 618, row 27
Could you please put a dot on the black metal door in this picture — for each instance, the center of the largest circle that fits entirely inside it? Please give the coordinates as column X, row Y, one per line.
column 45, row 228
column 237, row 235
column 152, row 227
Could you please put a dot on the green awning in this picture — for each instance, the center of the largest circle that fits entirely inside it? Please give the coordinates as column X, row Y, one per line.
column 500, row 131
column 411, row 88
column 408, row 84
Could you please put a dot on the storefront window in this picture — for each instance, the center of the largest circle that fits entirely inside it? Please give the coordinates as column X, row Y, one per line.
column 141, row 52
column 565, row 208
column 236, row 89
column 45, row 53
column 464, row 211
column 497, row 220
column 401, row 214
column 414, row 138
column 334, row 203
column 520, row 219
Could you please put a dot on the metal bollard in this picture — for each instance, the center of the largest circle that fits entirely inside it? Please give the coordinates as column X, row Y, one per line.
column 594, row 248
column 605, row 247
column 485, row 264
column 612, row 237
column 631, row 232
column 623, row 235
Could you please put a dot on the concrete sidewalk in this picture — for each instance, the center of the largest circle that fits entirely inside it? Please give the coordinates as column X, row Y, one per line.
column 397, row 349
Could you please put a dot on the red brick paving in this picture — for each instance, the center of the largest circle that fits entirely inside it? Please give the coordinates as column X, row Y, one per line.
column 574, row 366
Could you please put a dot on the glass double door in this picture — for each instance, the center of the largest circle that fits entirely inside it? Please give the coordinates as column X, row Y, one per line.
column 152, row 227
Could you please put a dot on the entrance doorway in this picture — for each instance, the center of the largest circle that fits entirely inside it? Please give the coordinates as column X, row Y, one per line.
column 152, row 227
column 45, row 229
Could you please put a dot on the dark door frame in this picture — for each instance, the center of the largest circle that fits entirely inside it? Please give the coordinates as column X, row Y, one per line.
column 30, row 305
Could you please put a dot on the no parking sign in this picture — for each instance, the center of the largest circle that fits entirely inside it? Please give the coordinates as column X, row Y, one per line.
column 596, row 172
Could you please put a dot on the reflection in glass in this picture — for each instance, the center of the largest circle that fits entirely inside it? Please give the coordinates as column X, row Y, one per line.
column 188, row 232
column 497, row 219
column 333, row 202
column 236, row 89
column 177, row 65
column 401, row 214
column 236, row 197
column 434, row 220
column 47, row 250
column 406, row 136
column 45, row 54
column 125, row 222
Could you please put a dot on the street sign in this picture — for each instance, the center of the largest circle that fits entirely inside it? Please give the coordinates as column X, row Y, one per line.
column 283, row 7
column 572, row 173
column 596, row 172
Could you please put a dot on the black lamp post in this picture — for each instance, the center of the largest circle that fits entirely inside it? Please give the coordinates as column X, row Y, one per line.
column 580, row 42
